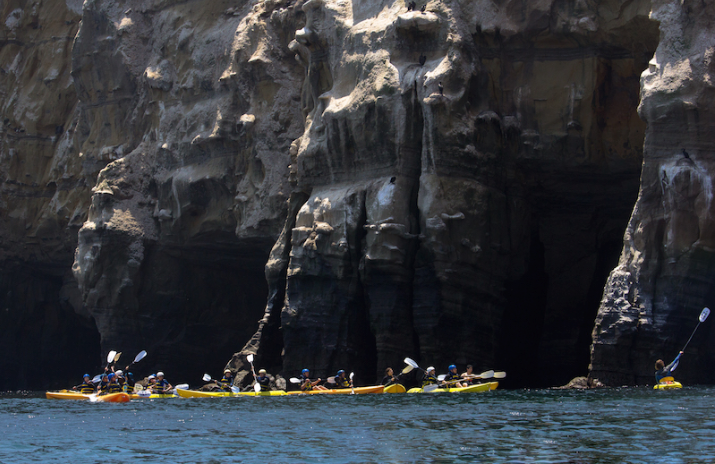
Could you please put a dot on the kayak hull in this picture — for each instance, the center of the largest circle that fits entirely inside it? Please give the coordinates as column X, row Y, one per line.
column 342, row 391
column 478, row 388
column 395, row 388
column 111, row 398
column 153, row 396
column 203, row 394
column 668, row 386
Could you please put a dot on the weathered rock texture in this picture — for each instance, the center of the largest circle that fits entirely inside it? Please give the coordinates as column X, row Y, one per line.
column 371, row 183
column 666, row 273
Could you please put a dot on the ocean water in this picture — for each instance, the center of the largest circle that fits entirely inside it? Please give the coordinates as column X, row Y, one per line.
column 624, row 425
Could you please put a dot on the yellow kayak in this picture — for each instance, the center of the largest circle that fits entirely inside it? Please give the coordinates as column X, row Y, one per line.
column 342, row 391
column 478, row 388
column 667, row 383
column 152, row 396
column 69, row 395
column 214, row 394
column 395, row 388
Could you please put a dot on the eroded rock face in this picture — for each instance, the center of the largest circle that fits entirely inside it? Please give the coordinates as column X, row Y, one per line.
column 470, row 170
column 665, row 274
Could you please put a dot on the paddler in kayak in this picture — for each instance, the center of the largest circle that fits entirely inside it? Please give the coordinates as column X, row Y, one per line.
column 86, row 387
column 468, row 375
column 113, row 385
column 452, row 379
column 341, row 380
column 389, row 378
column 306, row 384
column 662, row 371
column 162, row 386
column 103, row 384
column 226, row 381
column 263, row 380
column 429, row 378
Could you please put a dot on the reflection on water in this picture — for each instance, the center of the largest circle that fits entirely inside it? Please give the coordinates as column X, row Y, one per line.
column 634, row 425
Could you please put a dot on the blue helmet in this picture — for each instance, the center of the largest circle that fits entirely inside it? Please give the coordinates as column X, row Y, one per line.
column 85, row 376
column 110, row 376
column 452, row 367
column 341, row 372
column 305, row 371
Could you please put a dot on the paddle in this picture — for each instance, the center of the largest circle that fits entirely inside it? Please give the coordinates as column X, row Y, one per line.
column 500, row 375
column 352, row 374
column 412, row 364
column 110, row 358
column 141, row 355
column 703, row 315
column 256, row 385
column 116, row 357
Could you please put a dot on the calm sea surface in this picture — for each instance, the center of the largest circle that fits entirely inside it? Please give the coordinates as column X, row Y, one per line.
column 628, row 425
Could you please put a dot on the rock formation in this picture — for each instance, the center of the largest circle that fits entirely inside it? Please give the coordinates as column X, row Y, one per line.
column 666, row 273
column 449, row 183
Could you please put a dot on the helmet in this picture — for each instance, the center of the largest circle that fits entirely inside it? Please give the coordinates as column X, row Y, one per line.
column 120, row 373
column 262, row 371
column 110, row 376
column 227, row 371
column 305, row 371
column 452, row 366
column 341, row 372
column 85, row 376
column 151, row 377
column 429, row 369
column 160, row 374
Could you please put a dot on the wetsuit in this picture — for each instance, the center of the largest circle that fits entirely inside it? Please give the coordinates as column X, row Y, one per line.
column 388, row 380
column 667, row 370
column 264, row 382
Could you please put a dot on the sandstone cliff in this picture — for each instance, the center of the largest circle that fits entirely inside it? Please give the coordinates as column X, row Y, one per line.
column 370, row 182
column 666, row 273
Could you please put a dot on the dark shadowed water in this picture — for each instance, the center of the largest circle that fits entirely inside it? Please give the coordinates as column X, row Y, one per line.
column 628, row 425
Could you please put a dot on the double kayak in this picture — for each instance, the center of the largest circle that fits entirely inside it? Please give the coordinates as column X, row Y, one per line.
column 478, row 388
column 69, row 395
column 215, row 394
column 342, row 391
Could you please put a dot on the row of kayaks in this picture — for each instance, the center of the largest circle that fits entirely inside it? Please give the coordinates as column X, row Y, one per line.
column 376, row 389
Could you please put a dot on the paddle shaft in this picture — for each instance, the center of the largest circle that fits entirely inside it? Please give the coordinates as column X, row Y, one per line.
column 691, row 336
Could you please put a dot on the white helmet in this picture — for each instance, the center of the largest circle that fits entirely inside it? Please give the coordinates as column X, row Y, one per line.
column 160, row 374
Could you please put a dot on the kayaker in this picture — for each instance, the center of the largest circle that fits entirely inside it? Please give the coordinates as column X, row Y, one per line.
column 468, row 375
column 103, row 384
column 341, row 380
column 162, row 385
column 113, row 385
column 661, row 370
column 121, row 380
column 227, row 380
column 86, row 387
column 429, row 378
column 263, row 380
column 306, row 384
column 150, row 382
column 389, row 378
column 452, row 379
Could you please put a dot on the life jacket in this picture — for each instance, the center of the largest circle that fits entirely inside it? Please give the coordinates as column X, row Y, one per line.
column 428, row 379
column 305, row 384
column 226, row 383
column 114, row 388
column 342, row 383
column 103, row 387
column 87, row 388
column 264, row 382
column 159, row 386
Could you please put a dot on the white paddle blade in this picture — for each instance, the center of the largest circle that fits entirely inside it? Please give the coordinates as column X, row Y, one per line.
column 486, row 375
column 352, row 374
column 182, row 386
column 141, row 355
column 441, row 377
column 235, row 389
column 111, row 355
column 96, row 379
column 294, row 380
column 411, row 363
column 499, row 375
column 407, row 369
column 430, row 388
column 331, row 380
column 206, row 378
column 256, row 388
column 249, row 358
column 704, row 314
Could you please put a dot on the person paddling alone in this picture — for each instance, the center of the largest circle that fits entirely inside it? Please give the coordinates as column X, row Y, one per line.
column 662, row 371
